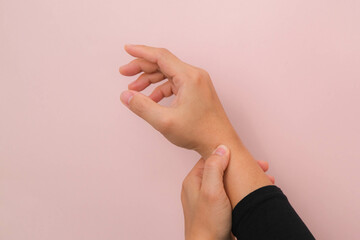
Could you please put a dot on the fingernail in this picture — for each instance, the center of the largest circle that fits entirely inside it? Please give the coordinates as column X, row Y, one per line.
column 126, row 96
column 221, row 150
column 129, row 45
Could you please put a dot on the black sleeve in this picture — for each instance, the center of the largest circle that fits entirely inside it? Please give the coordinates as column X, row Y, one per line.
column 267, row 214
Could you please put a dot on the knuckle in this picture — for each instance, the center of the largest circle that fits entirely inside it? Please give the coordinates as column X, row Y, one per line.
column 199, row 75
column 196, row 74
column 158, row 89
column 184, row 185
column 203, row 73
column 210, row 195
column 163, row 52
column 166, row 124
column 177, row 80
column 212, row 163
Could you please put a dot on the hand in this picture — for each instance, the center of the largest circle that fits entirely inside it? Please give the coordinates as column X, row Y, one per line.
column 195, row 120
column 195, row 115
column 207, row 209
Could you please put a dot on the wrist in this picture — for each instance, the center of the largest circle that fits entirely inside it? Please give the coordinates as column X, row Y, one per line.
column 211, row 141
column 243, row 174
column 200, row 237
column 205, row 237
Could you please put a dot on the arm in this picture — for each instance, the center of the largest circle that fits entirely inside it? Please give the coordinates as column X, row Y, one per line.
column 243, row 174
column 263, row 214
column 196, row 120
column 207, row 209
column 267, row 214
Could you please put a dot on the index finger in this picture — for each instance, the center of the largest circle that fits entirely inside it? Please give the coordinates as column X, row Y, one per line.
column 168, row 63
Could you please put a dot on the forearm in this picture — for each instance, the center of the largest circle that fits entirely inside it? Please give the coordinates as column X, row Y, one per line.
column 243, row 174
column 272, row 217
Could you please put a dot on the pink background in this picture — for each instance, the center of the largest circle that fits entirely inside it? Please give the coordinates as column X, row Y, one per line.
column 76, row 164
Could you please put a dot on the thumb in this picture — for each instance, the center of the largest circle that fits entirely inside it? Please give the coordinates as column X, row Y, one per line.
column 143, row 106
column 214, row 169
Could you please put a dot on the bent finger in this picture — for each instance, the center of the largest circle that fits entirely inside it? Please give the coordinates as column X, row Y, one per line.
column 136, row 66
column 145, row 80
column 162, row 91
column 155, row 114
column 168, row 63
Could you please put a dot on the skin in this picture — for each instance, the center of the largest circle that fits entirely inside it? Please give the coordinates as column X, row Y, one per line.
column 207, row 208
column 195, row 120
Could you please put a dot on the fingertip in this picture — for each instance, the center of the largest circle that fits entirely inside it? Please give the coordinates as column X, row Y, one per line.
column 224, row 152
column 264, row 165
column 125, row 97
column 221, row 150
column 120, row 70
column 128, row 45
column 124, row 70
column 272, row 179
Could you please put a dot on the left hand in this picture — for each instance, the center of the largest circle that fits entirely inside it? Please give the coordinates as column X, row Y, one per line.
column 207, row 209
column 196, row 119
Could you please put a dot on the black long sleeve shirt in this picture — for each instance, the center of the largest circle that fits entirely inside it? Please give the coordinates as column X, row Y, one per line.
column 267, row 214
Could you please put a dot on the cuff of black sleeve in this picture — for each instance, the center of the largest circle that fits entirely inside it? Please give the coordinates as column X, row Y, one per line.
column 253, row 199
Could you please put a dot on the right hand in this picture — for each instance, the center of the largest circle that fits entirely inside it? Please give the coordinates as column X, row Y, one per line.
column 207, row 208
column 196, row 114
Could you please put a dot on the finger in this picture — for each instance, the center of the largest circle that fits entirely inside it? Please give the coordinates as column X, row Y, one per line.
column 145, row 80
column 193, row 180
column 272, row 178
column 164, row 90
column 136, row 66
column 168, row 63
column 264, row 165
column 146, row 108
column 214, row 168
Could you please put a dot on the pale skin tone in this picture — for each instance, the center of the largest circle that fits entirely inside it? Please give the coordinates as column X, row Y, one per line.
column 207, row 209
column 195, row 120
